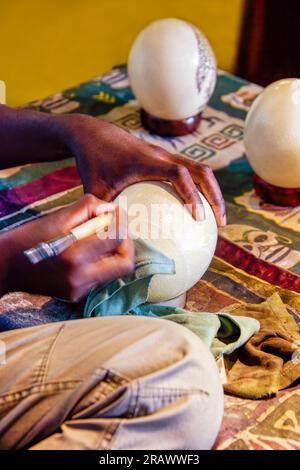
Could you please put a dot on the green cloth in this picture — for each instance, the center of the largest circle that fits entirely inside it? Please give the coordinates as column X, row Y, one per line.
column 121, row 296
column 221, row 332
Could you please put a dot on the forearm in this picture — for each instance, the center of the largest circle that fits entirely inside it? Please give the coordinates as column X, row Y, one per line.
column 8, row 249
column 12, row 244
column 31, row 137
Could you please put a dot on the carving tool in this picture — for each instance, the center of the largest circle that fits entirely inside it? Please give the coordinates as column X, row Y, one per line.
column 59, row 244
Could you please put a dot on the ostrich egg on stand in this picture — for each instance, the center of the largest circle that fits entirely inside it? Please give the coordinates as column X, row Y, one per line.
column 172, row 72
column 272, row 142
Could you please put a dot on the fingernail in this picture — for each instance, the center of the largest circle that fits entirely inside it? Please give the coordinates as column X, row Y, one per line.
column 224, row 220
column 200, row 213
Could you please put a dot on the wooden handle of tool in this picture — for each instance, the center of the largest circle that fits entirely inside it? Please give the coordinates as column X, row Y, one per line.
column 92, row 226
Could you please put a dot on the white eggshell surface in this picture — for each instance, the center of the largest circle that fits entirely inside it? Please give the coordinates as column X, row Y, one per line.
column 191, row 244
column 272, row 134
column 172, row 69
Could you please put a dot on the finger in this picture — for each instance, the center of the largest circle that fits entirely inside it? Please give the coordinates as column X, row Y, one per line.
column 208, row 184
column 111, row 267
column 93, row 248
column 177, row 175
column 211, row 190
column 85, row 208
column 59, row 222
column 100, row 189
column 63, row 220
column 90, row 250
column 85, row 276
column 187, row 190
column 110, row 193
column 180, row 178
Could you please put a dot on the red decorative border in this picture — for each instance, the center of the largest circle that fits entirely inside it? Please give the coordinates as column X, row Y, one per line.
column 242, row 259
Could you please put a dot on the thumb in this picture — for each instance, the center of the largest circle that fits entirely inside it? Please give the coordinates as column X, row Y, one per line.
column 62, row 221
column 81, row 211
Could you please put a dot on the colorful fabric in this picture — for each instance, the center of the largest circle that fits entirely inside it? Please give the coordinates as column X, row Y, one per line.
column 221, row 332
column 258, row 252
column 265, row 337
column 270, row 361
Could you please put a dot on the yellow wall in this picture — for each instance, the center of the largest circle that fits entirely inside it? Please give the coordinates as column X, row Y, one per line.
column 48, row 45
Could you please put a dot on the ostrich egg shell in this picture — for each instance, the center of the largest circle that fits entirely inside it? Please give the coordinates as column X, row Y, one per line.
column 172, row 69
column 272, row 134
column 191, row 244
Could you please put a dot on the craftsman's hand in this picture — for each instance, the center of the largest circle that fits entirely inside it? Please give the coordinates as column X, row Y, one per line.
column 109, row 159
column 74, row 272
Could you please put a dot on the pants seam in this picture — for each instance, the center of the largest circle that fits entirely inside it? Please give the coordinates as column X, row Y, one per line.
column 172, row 394
column 116, row 376
column 39, row 374
column 54, row 387
column 115, row 373
column 44, row 366
column 135, row 396
column 105, row 441
column 176, row 391
column 108, row 384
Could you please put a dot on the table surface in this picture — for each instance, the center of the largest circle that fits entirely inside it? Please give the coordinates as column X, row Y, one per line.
column 258, row 252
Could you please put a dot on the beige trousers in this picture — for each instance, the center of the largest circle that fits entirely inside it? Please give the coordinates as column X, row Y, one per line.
column 108, row 383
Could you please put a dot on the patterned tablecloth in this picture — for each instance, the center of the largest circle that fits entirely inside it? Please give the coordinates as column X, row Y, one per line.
column 258, row 252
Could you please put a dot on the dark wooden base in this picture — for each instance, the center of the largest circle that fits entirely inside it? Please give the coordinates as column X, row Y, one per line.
column 285, row 197
column 169, row 128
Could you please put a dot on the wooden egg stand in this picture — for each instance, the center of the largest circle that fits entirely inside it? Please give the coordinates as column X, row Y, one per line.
column 284, row 197
column 167, row 127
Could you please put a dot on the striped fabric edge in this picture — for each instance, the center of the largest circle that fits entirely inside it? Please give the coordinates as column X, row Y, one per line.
column 270, row 273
